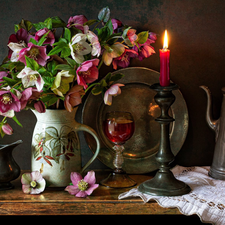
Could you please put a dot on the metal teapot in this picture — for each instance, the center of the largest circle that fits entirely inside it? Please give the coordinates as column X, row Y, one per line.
column 9, row 169
column 217, row 169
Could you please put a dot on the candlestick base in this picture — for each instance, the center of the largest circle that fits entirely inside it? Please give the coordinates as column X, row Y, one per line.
column 164, row 183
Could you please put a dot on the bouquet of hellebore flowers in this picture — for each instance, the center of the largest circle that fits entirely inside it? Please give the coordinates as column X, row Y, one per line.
column 42, row 71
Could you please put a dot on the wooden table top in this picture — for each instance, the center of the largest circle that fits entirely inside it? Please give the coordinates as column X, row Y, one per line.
column 103, row 201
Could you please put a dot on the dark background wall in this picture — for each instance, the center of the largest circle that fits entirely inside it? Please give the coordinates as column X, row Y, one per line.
column 197, row 44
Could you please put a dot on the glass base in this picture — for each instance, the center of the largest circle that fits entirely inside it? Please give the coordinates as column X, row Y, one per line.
column 118, row 179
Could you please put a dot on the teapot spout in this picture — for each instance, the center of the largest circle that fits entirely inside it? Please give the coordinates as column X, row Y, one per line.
column 213, row 124
column 12, row 145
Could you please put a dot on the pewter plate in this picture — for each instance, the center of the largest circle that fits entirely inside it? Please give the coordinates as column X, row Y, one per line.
column 137, row 98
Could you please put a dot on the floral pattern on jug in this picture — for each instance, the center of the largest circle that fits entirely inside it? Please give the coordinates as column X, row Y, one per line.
column 57, row 146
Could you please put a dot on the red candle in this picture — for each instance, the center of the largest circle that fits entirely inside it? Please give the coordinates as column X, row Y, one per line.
column 164, row 78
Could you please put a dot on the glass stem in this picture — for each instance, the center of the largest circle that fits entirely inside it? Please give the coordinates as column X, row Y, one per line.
column 118, row 160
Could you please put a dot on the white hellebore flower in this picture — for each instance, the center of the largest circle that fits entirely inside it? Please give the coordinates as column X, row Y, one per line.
column 96, row 47
column 61, row 83
column 16, row 48
column 79, row 47
column 30, row 78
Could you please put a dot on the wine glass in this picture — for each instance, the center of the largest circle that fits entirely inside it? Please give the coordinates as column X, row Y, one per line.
column 118, row 127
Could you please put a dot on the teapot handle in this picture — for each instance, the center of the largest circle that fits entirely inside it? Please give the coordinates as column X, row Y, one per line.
column 83, row 127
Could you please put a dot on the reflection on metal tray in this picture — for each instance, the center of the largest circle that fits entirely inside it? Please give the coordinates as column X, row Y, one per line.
column 137, row 98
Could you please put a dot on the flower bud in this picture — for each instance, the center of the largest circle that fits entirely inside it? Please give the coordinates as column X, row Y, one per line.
column 7, row 129
column 39, row 106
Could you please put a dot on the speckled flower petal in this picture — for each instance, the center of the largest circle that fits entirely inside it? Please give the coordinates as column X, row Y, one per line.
column 26, row 179
column 26, row 188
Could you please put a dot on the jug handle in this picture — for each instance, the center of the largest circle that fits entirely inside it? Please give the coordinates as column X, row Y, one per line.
column 83, row 127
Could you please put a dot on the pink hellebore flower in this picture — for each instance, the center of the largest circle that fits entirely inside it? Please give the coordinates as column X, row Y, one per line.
column 152, row 36
column 116, row 24
column 145, row 50
column 73, row 97
column 26, row 94
column 21, row 37
column 87, row 72
column 82, row 187
column 114, row 90
column 50, row 37
column 30, row 78
column 3, row 74
column 77, row 21
column 9, row 101
column 7, row 129
column 33, row 183
column 38, row 53
column 124, row 59
column 131, row 35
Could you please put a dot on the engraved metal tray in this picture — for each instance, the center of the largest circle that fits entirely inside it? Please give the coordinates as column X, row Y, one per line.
column 137, row 98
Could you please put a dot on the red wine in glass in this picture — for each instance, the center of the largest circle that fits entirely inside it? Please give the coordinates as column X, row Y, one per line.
column 118, row 127
column 119, row 130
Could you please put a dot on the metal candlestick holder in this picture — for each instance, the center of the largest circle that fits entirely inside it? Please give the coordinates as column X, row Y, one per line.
column 164, row 183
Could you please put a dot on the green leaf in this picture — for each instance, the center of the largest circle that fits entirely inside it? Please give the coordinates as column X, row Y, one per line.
column 46, row 98
column 39, row 26
column 71, row 62
column 48, row 81
column 116, row 77
column 124, row 35
column 90, row 22
column 17, row 121
column 142, row 37
column 33, row 41
column 103, row 33
column 16, row 65
column 108, row 77
column 16, row 27
column 63, row 67
column 57, row 22
column 61, row 45
column 53, row 100
column 10, row 81
column 65, row 52
column 48, row 23
column 97, row 89
column 43, row 38
column 55, row 50
column 25, row 24
column 67, row 35
column 32, row 63
column 104, row 14
column 110, row 26
column 51, row 67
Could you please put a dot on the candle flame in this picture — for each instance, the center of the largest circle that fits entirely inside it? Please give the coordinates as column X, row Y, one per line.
column 165, row 44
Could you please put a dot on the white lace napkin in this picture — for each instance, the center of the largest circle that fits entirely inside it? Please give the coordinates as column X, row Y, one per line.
column 207, row 198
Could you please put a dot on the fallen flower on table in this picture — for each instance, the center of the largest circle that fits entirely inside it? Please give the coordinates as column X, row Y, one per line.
column 82, row 187
column 33, row 183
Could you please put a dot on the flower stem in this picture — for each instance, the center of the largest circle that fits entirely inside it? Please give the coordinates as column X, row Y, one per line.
column 96, row 25
column 16, row 84
column 100, row 64
column 89, row 87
